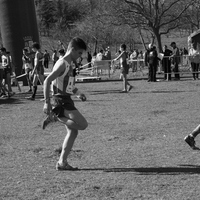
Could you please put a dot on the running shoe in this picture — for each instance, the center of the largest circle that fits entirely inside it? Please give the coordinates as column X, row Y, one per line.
column 190, row 141
column 66, row 166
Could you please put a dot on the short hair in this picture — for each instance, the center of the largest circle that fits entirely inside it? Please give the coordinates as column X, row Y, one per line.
column 123, row 46
column 62, row 51
column 77, row 43
column 173, row 43
column 3, row 49
column 36, row 45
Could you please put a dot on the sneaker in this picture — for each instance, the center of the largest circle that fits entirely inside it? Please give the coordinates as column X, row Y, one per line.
column 30, row 98
column 66, row 166
column 190, row 141
column 50, row 118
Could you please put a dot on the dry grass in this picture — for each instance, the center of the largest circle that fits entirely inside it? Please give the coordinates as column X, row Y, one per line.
column 132, row 149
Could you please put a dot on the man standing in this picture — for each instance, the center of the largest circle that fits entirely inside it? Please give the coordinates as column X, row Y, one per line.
column 46, row 59
column 151, row 58
column 175, row 60
column 166, row 63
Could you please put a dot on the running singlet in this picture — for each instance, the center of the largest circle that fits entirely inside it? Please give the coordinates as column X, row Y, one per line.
column 64, row 85
column 39, row 56
column 4, row 61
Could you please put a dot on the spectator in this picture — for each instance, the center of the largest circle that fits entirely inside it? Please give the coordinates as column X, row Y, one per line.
column 7, row 69
column 133, row 57
column 61, row 53
column 27, row 67
column 166, row 63
column 108, row 54
column 175, row 59
column 54, row 57
column 100, row 55
column 46, row 59
column 193, row 56
column 89, row 59
column 38, row 70
column 151, row 59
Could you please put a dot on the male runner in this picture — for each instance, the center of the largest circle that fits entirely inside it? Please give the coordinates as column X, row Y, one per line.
column 63, row 85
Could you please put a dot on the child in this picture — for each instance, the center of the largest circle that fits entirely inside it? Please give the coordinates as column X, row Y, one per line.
column 63, row 83
column 124, row 68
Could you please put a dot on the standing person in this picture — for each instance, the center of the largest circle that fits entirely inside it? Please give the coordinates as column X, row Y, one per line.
column 61, row 53
column 27, row 67
column 63, row 84
column 3, row 89
column 134, row 62
column 100, row 55
column 38, row 70
column 7, row 69
column 175, row 60
column 46, row 59
column 54, row 57
column 195, row 66
column 124, row 68
column 89, row 59
column 166, row 63
column 151, row 58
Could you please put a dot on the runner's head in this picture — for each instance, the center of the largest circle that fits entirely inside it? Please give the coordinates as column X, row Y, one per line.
column 123, row 47
column 76, row 48
column 35, row 46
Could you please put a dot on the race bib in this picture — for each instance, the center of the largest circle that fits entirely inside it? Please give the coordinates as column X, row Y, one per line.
column 70, row 85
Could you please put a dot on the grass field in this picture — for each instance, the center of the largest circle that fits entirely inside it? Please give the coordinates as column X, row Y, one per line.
column 132, row 149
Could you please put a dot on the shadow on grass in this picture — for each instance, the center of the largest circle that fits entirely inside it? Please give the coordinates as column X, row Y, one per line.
column 105, row 92
column 10, row 101
column 152, row 170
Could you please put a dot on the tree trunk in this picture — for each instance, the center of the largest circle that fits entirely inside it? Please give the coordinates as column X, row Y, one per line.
column 142, row 39
column 158, row 39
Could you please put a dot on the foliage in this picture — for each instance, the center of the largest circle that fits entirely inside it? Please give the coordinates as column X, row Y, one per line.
column 108, row 22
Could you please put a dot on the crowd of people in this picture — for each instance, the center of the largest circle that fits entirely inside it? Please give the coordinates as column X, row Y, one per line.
column 35, row 61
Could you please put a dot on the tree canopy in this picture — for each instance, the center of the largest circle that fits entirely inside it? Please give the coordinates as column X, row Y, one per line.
column 115, row 21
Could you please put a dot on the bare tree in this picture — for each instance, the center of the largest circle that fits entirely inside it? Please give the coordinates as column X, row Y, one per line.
column 191, row 19
column 159, row 17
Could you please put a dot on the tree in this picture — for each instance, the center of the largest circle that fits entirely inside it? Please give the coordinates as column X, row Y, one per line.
column 159, row 17
column 46, row 11
column 191, row 18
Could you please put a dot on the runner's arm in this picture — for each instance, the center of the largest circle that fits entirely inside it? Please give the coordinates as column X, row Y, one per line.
column 59, row 69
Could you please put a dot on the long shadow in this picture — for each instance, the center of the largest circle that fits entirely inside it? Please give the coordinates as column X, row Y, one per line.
column 152, row 170
column 10, row 101
column 107, row 92
column 138, row 92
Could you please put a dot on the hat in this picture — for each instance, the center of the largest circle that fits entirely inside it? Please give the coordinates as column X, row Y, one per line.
column 172, row 43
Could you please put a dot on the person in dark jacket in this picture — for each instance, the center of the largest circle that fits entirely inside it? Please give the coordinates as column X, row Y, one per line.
column 175, row 58
column 151, row 58
column 166, row 63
